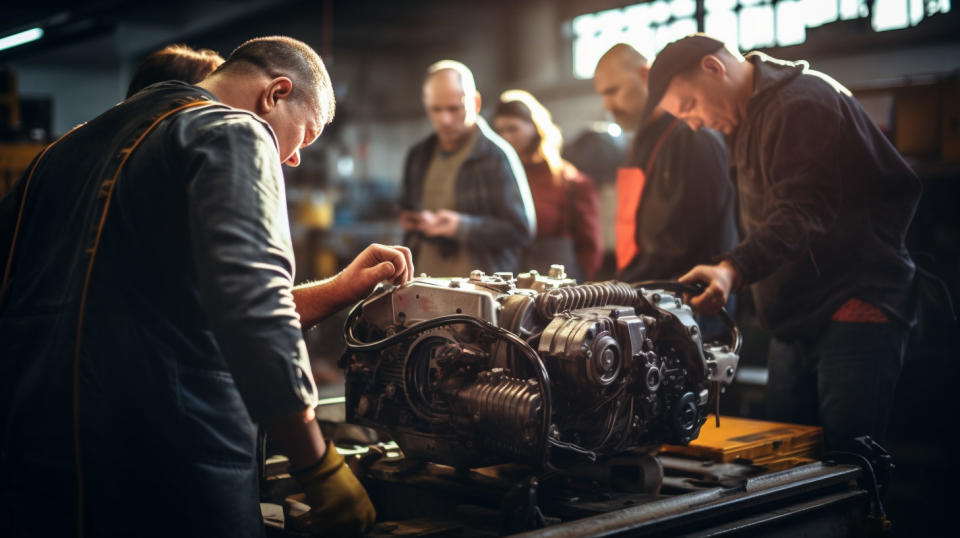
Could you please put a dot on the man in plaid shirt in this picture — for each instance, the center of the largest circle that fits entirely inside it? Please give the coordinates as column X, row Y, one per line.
column 465, row 196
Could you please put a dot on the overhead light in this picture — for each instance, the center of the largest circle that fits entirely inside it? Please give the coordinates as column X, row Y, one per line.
column 20, row 38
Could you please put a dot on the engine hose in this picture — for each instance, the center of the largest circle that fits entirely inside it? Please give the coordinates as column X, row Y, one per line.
column 694, row 289
column 543, row 378
column 577, row 449
column 552, row 302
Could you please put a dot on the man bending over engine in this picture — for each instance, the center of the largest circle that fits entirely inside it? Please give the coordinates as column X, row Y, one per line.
column 826, row 201
column 149, row 320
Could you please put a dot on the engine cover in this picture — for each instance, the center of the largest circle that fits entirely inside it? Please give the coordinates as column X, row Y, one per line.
column 534, row 369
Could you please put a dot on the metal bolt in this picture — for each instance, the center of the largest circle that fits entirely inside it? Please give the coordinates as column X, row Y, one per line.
column 607, row 360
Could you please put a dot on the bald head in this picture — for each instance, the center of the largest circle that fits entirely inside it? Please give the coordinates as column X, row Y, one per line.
column 622, row 56
column 454, row 69
column 620, row 78
column 452, row 102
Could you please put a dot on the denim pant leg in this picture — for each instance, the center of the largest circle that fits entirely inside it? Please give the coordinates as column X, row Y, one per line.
column 858, row 368
column 791, row 384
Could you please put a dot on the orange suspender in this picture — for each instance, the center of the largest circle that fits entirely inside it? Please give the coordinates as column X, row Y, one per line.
column 109, row 184
column 23, row 204
column 656, row 148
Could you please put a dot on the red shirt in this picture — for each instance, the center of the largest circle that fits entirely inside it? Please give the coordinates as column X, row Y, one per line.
column 570, row 211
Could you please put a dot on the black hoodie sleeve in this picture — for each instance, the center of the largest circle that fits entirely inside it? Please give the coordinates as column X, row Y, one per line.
column 803, row 188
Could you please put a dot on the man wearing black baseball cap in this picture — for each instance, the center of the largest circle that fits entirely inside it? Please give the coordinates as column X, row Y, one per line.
column 825, row 201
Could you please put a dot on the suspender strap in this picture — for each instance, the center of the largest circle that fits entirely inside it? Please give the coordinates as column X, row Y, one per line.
column 656, row 148
column 106, row 187
column 23, row 204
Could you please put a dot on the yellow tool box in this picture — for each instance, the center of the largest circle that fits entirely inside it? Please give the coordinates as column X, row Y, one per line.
column 773, row 444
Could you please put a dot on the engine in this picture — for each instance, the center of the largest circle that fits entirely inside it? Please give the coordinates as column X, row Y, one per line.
column 534, row 369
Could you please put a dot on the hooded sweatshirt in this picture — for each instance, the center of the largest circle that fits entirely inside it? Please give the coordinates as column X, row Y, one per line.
column 825, row 201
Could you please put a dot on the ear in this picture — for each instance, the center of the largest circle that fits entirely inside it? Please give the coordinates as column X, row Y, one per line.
column 713, row 66
column 644, row 72
column 275, row 90
column 478, row 101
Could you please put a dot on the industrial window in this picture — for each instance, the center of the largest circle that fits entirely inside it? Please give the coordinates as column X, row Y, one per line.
column 750, row 24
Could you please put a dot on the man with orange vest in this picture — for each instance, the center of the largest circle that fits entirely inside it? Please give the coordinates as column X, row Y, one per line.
column 675, row 200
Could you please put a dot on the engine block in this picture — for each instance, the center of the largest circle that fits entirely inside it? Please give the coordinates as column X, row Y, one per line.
column 534, row 369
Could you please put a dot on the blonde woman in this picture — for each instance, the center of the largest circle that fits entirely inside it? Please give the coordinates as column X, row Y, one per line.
column 568, row 230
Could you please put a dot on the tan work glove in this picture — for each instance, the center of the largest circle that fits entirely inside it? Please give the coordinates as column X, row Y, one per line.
column 339, row 506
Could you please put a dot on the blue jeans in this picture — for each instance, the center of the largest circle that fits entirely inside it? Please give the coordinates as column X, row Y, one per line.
column 844, row 379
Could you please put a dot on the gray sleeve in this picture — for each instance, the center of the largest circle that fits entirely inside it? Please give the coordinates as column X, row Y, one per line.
column 241, row 246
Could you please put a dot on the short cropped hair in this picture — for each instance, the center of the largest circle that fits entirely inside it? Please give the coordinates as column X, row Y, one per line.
column 287, row 57
column 174, row 62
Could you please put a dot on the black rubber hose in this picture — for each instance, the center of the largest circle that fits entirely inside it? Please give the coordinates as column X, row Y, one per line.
column 355, row 345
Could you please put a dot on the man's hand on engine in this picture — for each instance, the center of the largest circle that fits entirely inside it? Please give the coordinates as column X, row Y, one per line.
column 375, row 264
column 318, row 300
column 339, row 506
column 719, row 280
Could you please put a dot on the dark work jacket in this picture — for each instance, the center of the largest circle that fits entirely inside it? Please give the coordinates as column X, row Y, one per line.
column 189, row 335
column 686, row 214
column 825, row 200
column 497, row 216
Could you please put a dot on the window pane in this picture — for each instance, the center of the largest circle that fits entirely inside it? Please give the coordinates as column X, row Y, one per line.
column 791, row 29
column 889, row 15
column 609, row 20
column 756, row 27
column 637, row 17
column 584, row 57
column 645, row 42
column 669, row 33
column 684, row 8
column 719, row 5
column 722, row 25
column 820, row 12
column 660, row 11
column 853, row 9
column 584, row 24
column 916, row 12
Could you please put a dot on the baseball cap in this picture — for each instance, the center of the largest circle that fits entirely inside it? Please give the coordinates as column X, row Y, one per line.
column 674, row 59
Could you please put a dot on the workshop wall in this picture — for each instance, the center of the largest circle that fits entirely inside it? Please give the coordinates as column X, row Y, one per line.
column 377, row 51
